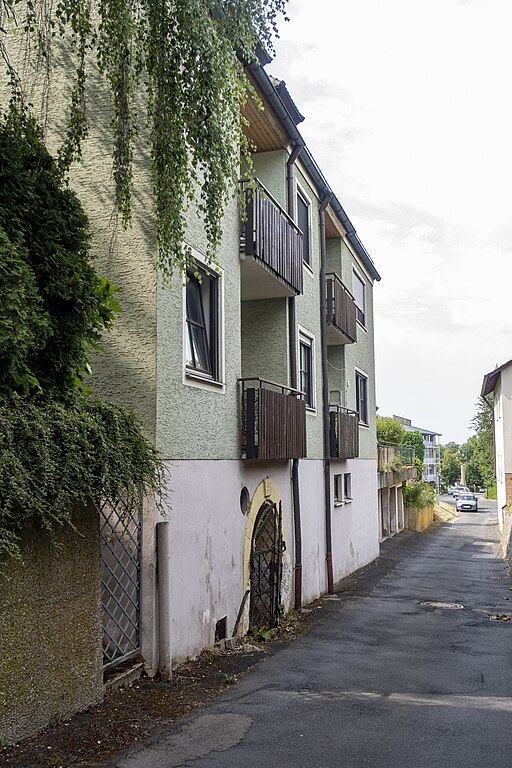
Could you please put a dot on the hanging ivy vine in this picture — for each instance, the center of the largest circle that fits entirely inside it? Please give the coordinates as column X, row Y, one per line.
column 171, row 63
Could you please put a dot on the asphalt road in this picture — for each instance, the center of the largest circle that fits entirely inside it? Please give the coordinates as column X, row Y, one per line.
column 385, row 680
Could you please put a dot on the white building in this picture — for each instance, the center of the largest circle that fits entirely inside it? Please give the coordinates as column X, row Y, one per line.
column 432, row 457
column 499, row 383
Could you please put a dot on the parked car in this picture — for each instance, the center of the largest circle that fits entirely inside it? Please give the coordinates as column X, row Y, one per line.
column 467, row 502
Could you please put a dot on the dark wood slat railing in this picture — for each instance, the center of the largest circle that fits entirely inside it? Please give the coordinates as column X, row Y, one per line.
column 271, row 236
column 273, row 422
column 343, row 433
column 341, row 307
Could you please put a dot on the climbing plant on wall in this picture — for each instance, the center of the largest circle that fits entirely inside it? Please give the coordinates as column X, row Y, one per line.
column 175, row 65
column 59, row 446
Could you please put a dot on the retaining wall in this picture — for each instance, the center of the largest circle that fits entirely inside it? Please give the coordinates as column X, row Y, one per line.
column 50, row 629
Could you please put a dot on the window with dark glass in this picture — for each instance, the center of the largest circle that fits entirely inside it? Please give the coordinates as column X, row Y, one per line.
column 201, row 347
column 306, row 370
column 338, row 489
column 362, row 397
column 358, row 291
column 347, row 486
column 303, row 223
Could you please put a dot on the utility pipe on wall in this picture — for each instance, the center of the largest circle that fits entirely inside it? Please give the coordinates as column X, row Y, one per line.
column 325, row 396
column 163, row 550
column 292, row 342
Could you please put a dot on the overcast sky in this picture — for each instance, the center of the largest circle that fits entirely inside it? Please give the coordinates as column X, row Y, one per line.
column 408, row 112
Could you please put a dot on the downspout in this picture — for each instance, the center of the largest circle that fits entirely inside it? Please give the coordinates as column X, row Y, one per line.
column 325, row 396
column 292, row 342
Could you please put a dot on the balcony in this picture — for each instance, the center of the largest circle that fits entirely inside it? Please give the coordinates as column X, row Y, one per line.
column 273, row 421
column 341, row 312
column 343, row 433
column 271, row 248
column 395, row 463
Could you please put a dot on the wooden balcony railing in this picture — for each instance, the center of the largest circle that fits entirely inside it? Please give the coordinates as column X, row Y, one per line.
column 341, row 312
column 273, row 421
column 271, row 237
column 343, row 433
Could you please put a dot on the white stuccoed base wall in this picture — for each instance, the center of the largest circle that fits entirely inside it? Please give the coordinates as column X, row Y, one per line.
column 208, row 534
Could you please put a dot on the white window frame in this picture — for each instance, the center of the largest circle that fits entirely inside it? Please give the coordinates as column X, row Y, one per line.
column 347, row 497
column 361, row 278
column 299, row 190
column 308, row 338
column 192, row 377
column 338, row 489
column 365, row 424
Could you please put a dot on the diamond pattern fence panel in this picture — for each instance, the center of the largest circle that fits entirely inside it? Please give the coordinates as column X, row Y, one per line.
column 121, row 537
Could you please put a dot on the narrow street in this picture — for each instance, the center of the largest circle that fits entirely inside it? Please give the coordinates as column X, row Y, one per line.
column 384, row 680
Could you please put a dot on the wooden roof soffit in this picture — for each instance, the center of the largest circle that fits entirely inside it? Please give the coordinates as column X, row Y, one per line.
column 333, row 226
column 265, row 129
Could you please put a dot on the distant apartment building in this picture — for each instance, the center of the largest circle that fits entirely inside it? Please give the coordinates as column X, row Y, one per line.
column 432, row 457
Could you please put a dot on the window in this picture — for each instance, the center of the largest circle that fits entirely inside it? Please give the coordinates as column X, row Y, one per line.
column 303, row 207
column 338, row 489
column 343, row 488
column 362, row 397
column 202, row 334
column 359, row 296
column 347, row 486
column 306, row 367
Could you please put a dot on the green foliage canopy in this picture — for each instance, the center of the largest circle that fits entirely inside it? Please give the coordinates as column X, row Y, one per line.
column 389, row 431
column 54, row 307
column 477, row 453
column 173, row 65
column 59, row 448
column 450, row 466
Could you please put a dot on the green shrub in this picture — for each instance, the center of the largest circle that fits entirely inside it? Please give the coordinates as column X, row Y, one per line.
column 55, row 456
column 418, row 495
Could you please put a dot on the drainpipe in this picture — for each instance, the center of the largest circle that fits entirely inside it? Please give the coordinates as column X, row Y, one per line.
column 292, row 341
column 325, row 396
column 163, row 550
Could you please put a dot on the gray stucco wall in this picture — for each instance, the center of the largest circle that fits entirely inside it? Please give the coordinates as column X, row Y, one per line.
column 308, row 313
column 270, row 169
column 361, row 355
column 196, row 419
column 265, row 350
column 50, row 629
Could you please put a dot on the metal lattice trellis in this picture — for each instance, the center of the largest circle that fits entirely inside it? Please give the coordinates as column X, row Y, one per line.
column 121, row 538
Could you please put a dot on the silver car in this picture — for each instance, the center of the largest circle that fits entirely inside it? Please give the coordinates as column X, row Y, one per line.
column 467, row 502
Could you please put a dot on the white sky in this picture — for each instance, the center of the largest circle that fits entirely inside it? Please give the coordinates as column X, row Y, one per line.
column 409, row 115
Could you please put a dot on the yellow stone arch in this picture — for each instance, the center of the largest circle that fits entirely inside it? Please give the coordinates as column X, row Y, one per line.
column 265, row 491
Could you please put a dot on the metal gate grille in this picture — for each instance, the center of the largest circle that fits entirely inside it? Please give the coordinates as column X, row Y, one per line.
column 120, row 536
column 266, row 556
